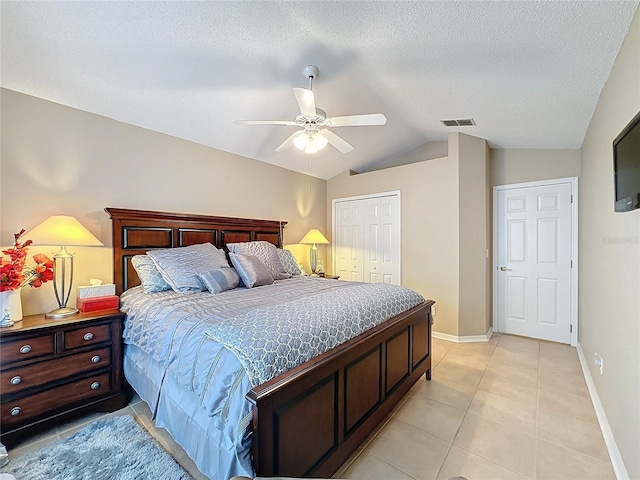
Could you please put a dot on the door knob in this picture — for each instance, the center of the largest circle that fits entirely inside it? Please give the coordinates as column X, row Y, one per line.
column 504, row 269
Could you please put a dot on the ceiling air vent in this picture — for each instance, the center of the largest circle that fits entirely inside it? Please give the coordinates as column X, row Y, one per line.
column 461, row 122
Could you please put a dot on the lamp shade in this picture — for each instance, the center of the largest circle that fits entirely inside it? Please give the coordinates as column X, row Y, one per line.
column 62, row 230
column 314, row 236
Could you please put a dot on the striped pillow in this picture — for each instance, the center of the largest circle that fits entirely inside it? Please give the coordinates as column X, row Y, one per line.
column 220, row 279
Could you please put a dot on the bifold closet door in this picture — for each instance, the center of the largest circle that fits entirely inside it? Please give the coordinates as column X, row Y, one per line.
column 367, row 239
column 348, row 250
column 381, row 240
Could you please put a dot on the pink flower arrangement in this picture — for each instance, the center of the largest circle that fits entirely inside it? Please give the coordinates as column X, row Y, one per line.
column 14, row 275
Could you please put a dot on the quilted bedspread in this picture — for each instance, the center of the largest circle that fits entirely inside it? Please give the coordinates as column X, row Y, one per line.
column 272, row 339
column 221, row 345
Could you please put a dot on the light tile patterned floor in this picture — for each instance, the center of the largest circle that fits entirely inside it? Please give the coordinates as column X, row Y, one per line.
column 510, row 408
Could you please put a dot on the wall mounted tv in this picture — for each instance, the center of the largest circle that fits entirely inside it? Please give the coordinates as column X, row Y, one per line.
column 626, row 167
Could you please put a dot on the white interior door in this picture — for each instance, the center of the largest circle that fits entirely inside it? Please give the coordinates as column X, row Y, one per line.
column 535, row 261
column 382, row 240
column 348, row 251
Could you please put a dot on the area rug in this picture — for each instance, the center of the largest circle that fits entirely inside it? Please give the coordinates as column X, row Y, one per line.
column 112, row 449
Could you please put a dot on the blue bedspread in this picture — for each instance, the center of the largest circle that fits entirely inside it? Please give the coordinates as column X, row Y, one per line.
column 275, row 338
column 219, row 346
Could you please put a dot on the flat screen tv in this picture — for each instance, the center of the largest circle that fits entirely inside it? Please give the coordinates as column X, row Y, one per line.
column 626, row 166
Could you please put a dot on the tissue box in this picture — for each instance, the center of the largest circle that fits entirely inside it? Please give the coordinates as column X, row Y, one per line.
column 93, row 291
column 98, row 303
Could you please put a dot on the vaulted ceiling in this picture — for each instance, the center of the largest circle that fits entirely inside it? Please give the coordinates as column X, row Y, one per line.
column 528, row 73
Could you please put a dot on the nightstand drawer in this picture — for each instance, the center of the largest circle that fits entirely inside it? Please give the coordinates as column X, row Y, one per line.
column 69, row 365
column 24, row 349
column 87, row 335
column 56, row 398
column 43, row 372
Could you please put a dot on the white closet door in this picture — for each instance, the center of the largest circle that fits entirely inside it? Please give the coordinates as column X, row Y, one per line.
column 348, row 251
column 366, row 244
column 382, row 240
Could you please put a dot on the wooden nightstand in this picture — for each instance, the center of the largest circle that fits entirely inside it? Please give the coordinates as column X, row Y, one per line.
column 51, row 369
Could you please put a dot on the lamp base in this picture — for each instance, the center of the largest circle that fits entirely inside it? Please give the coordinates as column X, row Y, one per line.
column 61, row 312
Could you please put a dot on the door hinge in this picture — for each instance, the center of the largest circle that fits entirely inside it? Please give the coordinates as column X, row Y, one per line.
column 571, row 198
column 570, row 328
column 571, row 263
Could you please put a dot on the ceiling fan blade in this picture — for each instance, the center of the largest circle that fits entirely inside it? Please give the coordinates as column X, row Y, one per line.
column 288, row 143
column 306, row 101
column 265, row 122
column 357, row 120
column 336, row 141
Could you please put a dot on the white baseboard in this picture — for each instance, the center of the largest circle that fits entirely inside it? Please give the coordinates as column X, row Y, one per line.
column 612, row 447
column 466, row 339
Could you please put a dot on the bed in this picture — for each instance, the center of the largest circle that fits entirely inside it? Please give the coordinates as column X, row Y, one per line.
column 305, row 421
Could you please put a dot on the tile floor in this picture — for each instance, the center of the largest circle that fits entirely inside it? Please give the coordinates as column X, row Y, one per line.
column 510, row 408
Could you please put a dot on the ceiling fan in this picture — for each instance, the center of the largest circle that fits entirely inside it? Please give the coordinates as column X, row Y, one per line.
column 314, row 123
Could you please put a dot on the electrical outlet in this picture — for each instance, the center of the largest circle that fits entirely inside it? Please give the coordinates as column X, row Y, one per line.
column 433, row 310
column 598, row 361
column 601, row 364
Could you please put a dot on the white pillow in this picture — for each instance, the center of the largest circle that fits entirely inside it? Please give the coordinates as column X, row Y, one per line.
column 180, row 266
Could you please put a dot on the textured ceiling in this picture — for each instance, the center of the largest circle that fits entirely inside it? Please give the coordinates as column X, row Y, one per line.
column 529, row 73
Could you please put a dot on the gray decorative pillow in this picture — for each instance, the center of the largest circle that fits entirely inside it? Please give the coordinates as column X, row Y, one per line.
column 220, row 280
column 251, row 270
column 180, row 266
column 266, row 252
column 149, row 275
column 289, row 262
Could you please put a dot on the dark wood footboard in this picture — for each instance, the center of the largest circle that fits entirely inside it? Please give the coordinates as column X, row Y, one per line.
column 308, row 421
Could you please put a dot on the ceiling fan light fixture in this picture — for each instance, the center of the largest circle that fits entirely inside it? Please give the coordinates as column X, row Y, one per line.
column 310, row 142
column 320, row 141
column 300, row 141
column 311, row 147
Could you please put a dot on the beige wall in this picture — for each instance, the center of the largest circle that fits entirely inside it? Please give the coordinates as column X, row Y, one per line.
column 528, row 165
column 443, row 203
column 610, row 259
column 57, row 159
column 429, row 249
column 426, row 151
column 474, row 224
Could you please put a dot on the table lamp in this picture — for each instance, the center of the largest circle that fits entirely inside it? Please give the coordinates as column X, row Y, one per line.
column 63, row 230
column 314, row 237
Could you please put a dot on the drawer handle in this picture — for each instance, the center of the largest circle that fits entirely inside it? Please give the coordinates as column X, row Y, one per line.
column 25, row 349
column 88, row 336
column 16, row 380
column 95, row 385
column 15, row 411
column 95, row 359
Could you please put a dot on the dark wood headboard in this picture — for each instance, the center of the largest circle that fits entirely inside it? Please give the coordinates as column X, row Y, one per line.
column 136, row 231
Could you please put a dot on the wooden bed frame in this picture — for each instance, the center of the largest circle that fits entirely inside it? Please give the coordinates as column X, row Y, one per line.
column 308, row 421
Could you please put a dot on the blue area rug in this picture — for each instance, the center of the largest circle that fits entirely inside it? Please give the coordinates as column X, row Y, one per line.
column 113, row 449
